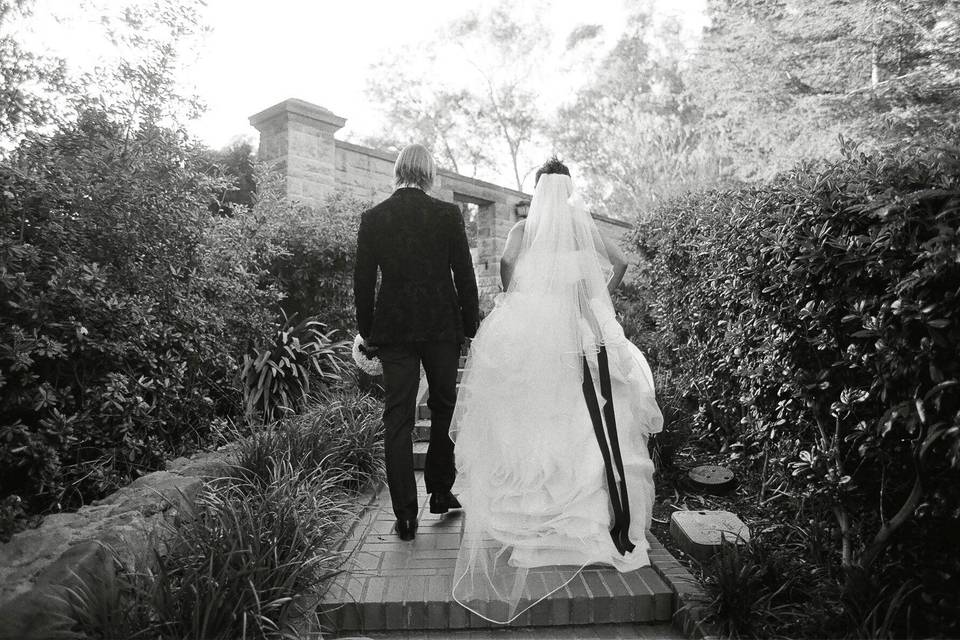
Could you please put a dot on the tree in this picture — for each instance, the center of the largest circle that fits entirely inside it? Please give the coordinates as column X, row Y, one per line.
column 779, row 81
column 634, row 130
column 235, row 164
column 418, row 109
column 504, row 50
column 28, row 80
column 479, row 118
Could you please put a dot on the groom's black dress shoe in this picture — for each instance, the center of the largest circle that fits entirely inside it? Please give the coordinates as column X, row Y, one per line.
column 443, row 502
column 407, row 529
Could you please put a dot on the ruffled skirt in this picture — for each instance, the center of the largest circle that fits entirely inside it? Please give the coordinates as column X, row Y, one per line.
column 530, row 470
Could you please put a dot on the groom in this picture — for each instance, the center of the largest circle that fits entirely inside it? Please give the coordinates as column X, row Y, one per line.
column 426, row 305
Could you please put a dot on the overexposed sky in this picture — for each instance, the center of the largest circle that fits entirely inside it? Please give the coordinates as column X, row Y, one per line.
column 260, row 52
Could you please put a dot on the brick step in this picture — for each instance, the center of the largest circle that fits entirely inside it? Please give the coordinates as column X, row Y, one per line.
column 421, row 431
column 421, row 602
column 423, row 411
column 405, row 587
column 634, row 631
column 420, row 454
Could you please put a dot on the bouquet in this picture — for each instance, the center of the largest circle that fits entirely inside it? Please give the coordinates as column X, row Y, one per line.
column 365, row 358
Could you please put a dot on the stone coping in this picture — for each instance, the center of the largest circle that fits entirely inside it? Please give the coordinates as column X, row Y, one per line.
column 300, row 108
column 392, row 157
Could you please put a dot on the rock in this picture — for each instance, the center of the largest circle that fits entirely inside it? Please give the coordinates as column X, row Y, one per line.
column 155, row 492
column 38, row 565
column 699, row 532
column 41, row 612
column 212, row 464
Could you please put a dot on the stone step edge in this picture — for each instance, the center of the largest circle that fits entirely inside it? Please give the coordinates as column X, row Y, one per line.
column 420, row 454
column 578, row 606
column 421, row 431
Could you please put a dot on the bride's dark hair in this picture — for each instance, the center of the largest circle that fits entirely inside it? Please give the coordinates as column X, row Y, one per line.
column 553, row 165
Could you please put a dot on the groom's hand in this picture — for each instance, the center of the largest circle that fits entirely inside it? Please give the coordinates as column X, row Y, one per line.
column 470, row 329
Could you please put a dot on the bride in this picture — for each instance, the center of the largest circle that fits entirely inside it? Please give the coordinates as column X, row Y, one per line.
column 553, row 474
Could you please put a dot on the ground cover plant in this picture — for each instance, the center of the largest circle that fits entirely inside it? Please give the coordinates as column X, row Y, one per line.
column 260, row 545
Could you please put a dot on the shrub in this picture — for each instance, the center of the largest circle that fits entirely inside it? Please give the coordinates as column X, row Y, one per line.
column 278, row 378
column 308, row 251
column 120, row 337
column 816, row 321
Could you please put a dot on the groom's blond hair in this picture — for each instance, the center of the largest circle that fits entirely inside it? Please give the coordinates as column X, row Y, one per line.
column 415, row 167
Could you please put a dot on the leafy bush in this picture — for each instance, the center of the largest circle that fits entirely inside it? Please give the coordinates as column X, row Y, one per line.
column 308, row 251
column 120, row 336
column 815, row 319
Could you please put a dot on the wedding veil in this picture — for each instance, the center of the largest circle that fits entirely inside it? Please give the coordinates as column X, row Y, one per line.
column 521, row 424
column 563, row 258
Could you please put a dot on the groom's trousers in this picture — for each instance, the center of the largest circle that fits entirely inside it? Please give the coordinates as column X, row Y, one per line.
column 401, row 378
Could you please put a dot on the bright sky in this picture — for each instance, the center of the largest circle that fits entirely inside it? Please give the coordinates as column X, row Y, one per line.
column 264, row 51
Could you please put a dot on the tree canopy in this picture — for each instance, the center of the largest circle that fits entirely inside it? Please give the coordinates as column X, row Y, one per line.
column 766, row 84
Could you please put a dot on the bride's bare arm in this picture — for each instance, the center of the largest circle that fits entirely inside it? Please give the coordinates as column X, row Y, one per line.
column 511, row 252
column 619, row 261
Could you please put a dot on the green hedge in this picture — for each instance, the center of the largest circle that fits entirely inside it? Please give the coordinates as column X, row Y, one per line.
column 122, row 328
column 306, row 252
column 816, row 321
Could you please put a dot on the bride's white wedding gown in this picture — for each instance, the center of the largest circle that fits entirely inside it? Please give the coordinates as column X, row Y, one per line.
column 531, row 476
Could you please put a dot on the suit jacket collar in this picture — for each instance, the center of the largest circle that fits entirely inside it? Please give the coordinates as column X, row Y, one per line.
column 403, row 191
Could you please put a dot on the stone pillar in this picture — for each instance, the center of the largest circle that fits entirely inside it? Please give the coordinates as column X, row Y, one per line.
column 298, row 137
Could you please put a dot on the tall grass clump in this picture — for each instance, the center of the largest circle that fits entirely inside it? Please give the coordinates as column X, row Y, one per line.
column 257, row 548
column 341, row 431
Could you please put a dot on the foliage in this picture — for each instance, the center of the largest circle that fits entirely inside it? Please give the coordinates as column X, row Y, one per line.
column 305, row 252
column 121, row 325
column 637, row 99
column 235, row 164
column 817, row 320
column 746, row 583
column 28, row 79
column 233, row 568
column 485, row 117
column 119, row 342
column 245, row 561
column 341, row 429
column 884, row 71
column 278, row 377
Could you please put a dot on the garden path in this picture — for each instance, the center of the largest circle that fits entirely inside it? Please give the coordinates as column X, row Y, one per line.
column 397, row 589
column 397, row 586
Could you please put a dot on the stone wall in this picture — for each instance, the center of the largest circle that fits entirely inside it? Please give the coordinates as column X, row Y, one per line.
column 299, row 137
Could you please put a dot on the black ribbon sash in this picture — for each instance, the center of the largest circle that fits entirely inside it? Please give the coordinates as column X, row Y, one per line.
column 609, row 448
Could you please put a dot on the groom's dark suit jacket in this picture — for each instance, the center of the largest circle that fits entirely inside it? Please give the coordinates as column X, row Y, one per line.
column 416, row 241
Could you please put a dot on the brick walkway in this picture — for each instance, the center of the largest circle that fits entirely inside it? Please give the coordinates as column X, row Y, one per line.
column 404, row 587
column 592, row 632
